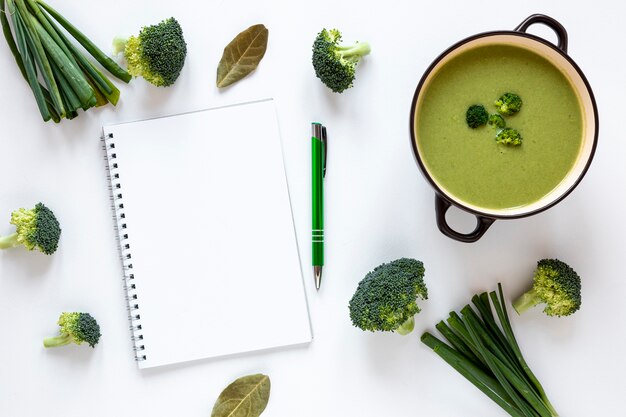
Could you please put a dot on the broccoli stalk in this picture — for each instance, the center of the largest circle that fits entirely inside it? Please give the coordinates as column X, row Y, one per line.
column 9, row 241
column 353, row 53
column 527, row 301
column 334, row 64
column 55, row 341
column 557, row 285
column 157, row 54
column 406, row 327
column 385, row 300
column 75, row 328
column 36, row 228
column 119, row 44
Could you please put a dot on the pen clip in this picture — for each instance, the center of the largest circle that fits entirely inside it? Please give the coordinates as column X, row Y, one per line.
column 325, row 142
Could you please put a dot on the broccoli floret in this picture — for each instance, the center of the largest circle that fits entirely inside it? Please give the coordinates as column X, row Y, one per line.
column 557, row 285
column 36, row 228
column 75, row 328
column 508, row 136
column 476, row 116
column 385, row 299
column 157, row 54
column 496, row 121
column 335, row 64
column 509, row 104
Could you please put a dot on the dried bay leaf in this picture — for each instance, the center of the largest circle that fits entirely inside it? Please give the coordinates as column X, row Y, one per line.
column 245, row 397
column 242, row 55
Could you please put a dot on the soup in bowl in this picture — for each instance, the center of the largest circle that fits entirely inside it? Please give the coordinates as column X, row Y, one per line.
column 557, row 121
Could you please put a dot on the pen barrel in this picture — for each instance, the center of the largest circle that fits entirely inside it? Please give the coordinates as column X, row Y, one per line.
column 317, row 223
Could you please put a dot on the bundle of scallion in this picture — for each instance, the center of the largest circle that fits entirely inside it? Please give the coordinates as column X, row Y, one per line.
column 44, row 53
column 489, row 357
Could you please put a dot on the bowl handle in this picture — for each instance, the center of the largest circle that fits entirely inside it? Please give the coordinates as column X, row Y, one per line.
column 558, row 28
column 482, row 223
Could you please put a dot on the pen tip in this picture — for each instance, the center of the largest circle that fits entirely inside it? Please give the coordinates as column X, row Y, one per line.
column 317, row 270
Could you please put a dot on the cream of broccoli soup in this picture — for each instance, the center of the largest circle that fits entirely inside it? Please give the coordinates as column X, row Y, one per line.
column 468, row 163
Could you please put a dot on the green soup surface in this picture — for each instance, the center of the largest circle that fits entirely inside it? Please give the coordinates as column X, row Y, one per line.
column 468, row 163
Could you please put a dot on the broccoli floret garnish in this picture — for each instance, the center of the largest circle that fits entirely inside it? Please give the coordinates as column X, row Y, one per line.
column 508, row 136
column 157, row 54
column 335, row 64
column 496, row 121
column 557, row 285
column 36, row 228
column 75, row 328
column 385, row 299
column 509, row 104
column 476, row 116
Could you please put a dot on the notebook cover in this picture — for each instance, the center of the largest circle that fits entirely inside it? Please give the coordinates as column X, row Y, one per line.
column 207, row 239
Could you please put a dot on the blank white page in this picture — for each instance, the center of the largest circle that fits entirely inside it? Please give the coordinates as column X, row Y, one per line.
column 210, row 234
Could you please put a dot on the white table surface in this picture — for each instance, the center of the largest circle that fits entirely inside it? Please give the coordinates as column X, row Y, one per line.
column 378, row 208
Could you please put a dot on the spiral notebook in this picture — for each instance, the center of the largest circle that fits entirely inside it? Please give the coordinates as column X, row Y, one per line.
column 207, row 240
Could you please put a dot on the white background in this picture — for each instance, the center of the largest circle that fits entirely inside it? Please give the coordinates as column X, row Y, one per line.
column 378, row 208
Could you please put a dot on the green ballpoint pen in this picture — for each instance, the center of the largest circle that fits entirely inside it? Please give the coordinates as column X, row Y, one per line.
column 319, row 149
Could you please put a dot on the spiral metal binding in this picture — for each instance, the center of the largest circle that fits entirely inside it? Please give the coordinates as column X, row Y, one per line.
column 119, row 220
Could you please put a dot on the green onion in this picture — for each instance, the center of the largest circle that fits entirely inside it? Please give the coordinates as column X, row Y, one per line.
column 95, row 52
column 508, row 330
column 457, row 343
column 33, row 60
column 481, row 380
column 487, row 354
column 42, row 51
column 73, row 75
column 6, row 29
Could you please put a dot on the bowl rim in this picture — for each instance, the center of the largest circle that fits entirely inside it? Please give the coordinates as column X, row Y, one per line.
column 460, row 204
